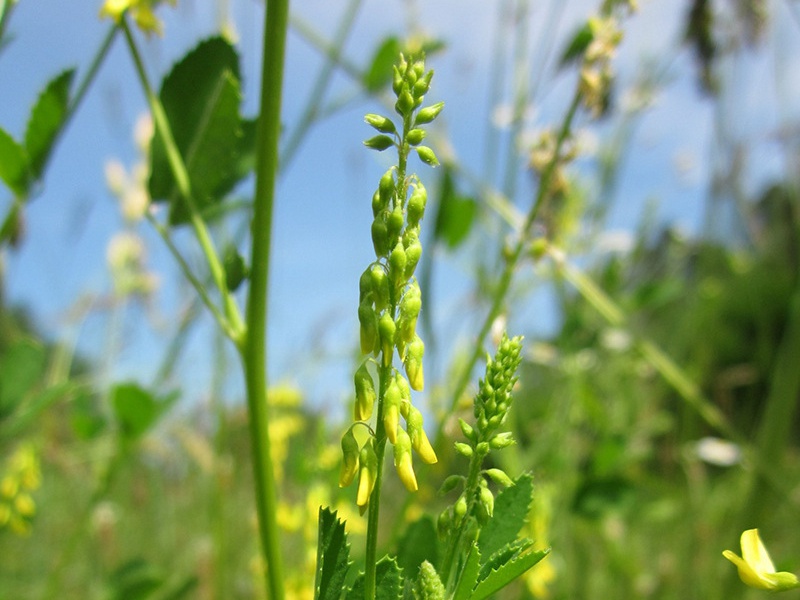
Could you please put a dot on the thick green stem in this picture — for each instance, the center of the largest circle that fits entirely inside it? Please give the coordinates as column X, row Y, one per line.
column 235, row 326
column 254, row 349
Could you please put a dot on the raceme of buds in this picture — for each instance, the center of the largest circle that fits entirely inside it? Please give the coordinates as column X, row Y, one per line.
column 429, row 586
column 494, row 396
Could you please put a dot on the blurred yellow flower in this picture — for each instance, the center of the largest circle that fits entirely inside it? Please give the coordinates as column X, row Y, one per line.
column 141, row 11
column 756, row 568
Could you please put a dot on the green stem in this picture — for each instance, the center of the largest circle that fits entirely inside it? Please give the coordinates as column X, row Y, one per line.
column 94, row 67
column 235, row 326
column 512, row 258
column 373, row 520
column 254, row 349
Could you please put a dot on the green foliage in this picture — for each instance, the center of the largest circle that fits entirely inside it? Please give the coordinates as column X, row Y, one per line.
column 388, row 580
column 13, row 164
column 455, row 214
column 510, row 514
column 333, row 552
column 201, row 98
column 505, row 573
column 21, row 369
column 46, row 120
column 137, row 410
column 418, row 545
column 140, row 580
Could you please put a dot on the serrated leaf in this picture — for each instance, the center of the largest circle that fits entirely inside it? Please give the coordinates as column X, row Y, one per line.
column 497, row 580
column 502, row 556
column 388, row 582
column 510, row 512
column 47, row 118
column 455, row 213
column 469, row 575
column 201, row 98
column 13, row 164
column 333, row 554
column 379, row 72
column 418, row 545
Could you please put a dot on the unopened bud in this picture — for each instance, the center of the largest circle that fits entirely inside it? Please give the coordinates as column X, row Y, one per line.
column 381, row 123
column 402, row 461
column 368, row 321
column 427, row 156
column 350, row 454
column 386, row 331
column 502, row 440
column 486, row 502
column 413, row 363
column 379, row 142
column 460, row 509
column 367, row 475
column 380, row 286
column 429, row 113
column 386, row 187
column 499, row 477
column 419, row 439
column 397, row 264
column 451, row 483
column 463, row 449
column 380, row 236
column 391, row 411
column 467, row 430
column 394, row 224
column 413, row 254
column 405, row 102
column 415, row 136
column 416, row 204
column 365, row 393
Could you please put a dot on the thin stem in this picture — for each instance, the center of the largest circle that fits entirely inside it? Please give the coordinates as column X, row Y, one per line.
column 254, row 349
column 193, row 280
column 235, row 327
column 512, row 259
column 94, row 67
column 312, row 111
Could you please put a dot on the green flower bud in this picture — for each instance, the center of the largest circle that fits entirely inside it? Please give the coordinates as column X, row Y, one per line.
column 405, row 392
column 416, row 204
column 451, row 483
column 394, row 224
column 463, row 449
column 381, row 123
column 429, row 585
column 377, row 204
column 410, row 306
column 444, row 522
column 460, row 509
column 386, row 187
column 485, row 505
column 386, row 331
column 380, row 286
column 367, row 475
column 499, row 477
column 379, row 142
column 502, row 440
column 369, row 327
column 402, row 460
column 415, row 136
column 397, row 264
column 405, row 102
column 365, row 393
column 428, row 114
column 397, row 80
column 413, row 364
column 365, row 287
column 467, row 430
column 422, row 85
column 413, row 254
column 391, row 411
column 380, row 236
column 427, row 156
column 350, row 455
column 419, row 440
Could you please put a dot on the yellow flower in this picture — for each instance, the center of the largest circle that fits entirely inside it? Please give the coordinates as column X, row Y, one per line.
column 141, row 11
column 756, row 568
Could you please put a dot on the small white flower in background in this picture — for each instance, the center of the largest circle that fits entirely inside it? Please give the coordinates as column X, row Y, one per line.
column 718, row 452
column 125, row 255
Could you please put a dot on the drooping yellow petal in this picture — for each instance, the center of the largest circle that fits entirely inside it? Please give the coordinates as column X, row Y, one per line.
column 756, row 568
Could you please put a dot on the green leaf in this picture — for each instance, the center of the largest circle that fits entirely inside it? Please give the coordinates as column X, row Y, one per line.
column 13, row 165
column 507, row 573
column 418, row 545
column 510, row 513
column 455, row 214
column 333, row 553
column 577, row 46
column 380, row 71
column 21, row 368
column 469, row 575
column 201, row 98
column 135, row 580
column 137, row 409
column 502, row 556
column 388, row 582
column 47, row 118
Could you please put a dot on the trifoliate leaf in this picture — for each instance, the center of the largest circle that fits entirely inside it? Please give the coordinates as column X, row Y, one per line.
column 508, row 572
column 333, row 554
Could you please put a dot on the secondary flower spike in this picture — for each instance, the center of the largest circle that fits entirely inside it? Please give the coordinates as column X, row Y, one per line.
column 756, row 568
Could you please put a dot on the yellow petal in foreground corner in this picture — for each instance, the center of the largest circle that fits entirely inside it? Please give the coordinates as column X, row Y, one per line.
column 756, row 568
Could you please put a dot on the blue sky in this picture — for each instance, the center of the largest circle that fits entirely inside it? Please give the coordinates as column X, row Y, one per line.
column 321, row 241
